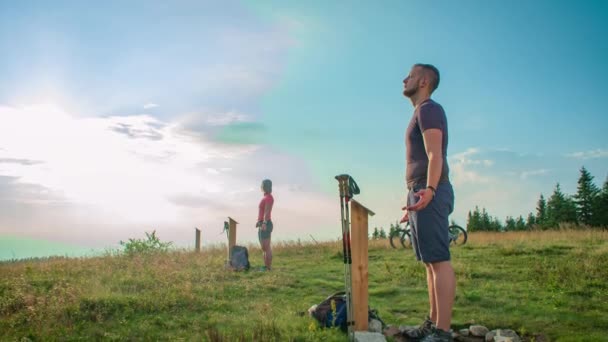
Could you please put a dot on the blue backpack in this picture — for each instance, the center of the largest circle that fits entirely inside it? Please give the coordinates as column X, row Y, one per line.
column 239, row 258
column 331, row 312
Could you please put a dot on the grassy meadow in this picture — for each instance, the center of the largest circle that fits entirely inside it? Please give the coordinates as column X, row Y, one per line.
column 545, row 285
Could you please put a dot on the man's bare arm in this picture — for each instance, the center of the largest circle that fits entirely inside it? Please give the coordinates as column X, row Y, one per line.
column 433, row 144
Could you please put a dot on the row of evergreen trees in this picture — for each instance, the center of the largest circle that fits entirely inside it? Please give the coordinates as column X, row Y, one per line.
column 589, row 207
column 380, row 233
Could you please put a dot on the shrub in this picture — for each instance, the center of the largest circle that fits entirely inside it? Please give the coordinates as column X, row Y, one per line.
column 145, row 246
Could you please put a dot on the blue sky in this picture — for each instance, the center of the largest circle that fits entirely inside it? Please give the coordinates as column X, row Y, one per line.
column 119, row 117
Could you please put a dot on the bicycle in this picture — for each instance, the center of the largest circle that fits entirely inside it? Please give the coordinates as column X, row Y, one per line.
column 457, row 235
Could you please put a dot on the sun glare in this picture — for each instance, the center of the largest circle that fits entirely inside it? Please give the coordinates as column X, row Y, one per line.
column 125, row 166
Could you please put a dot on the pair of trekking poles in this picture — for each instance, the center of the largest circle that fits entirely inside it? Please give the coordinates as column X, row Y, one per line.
column 348, row 188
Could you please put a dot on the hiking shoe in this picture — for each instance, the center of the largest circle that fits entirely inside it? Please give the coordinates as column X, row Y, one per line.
column 439, row 335
column 423, row 330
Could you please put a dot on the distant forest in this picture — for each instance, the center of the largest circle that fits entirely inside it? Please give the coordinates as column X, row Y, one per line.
column 588, row 207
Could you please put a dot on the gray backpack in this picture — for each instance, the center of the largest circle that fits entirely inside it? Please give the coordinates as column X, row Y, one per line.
column 239, row 258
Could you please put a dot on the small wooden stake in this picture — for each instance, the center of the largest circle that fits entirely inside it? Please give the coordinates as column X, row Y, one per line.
column 197, row 242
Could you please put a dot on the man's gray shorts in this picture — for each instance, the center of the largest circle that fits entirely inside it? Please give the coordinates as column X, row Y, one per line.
column 429, row 226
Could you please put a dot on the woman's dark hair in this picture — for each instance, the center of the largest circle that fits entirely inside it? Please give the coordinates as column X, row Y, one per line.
column 267, row 185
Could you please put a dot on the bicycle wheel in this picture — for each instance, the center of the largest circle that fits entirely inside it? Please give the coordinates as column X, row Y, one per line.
column 406, row 237
column 458, row 235
column 396, row 235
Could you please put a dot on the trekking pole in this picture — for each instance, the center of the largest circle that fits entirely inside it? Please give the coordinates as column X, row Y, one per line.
column 348, row 188
column 346, row 254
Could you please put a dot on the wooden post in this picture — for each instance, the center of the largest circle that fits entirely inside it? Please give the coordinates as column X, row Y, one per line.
column 197, row 243
column 227, row 229
column 231, row 236
column 359, row 267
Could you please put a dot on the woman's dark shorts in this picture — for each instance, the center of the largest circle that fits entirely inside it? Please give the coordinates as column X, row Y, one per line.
column 265, row 234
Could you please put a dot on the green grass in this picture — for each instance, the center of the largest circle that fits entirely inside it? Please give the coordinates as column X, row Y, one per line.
column 549, row 283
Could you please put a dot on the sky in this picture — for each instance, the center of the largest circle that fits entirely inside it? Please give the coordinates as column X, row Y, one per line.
column 119, row 118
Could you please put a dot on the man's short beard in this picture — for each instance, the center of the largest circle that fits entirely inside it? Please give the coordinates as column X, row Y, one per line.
column 410, row 92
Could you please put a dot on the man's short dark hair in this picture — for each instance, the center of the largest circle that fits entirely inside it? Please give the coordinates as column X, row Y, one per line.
column 435, row 78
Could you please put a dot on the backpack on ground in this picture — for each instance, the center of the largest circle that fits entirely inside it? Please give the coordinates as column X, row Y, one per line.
column 331, row 312
column 239, row 258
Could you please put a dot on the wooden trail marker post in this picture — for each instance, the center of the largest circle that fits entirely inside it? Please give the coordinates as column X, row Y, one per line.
column 231, row 236
column 359, row 267
column 197, row 242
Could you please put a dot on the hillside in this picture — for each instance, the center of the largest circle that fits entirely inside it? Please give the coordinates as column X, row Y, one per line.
column 549, row 283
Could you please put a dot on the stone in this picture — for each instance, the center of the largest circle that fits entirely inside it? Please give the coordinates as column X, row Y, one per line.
column 469, row 339
column 478, row 330
column 403, row 328
column 502, row 339
column 391, row 331
column 366, row 336
column 375, row 325
column 463, row 332
column 502, row 335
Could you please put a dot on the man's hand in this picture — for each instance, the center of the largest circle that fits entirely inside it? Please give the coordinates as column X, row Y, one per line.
column 263, row 226
column 406, row 216
column 425, row 195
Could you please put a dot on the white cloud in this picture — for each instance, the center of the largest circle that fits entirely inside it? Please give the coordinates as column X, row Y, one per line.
column 479, row 181
column 461, row 171
column 150, row 105
column 125, row 166
column 591, row 154
column 226, row 118
column 527, row 174
column 100, row 180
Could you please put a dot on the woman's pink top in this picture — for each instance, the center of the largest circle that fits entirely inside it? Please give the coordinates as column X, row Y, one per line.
column 267, row 199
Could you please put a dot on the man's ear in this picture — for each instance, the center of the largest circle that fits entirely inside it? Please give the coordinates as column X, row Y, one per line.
column 424, row 81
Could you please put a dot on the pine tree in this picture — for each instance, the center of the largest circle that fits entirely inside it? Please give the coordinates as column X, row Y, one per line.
column 474, row 221
column 585, row 197
column 496, row 225
column 531, row 221
column 541, row 212
column 510, row 224
column 375, row 234
column 601, row 207
column 570, row 211
column 486, row 222
column 560, row 208
column 382, row 234
column 520, row 223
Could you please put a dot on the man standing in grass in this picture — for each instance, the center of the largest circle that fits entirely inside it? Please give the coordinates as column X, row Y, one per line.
column 430, row 200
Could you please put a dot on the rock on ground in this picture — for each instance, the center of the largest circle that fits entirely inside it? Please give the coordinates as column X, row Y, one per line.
column 365, row 336
column 461, row 338
column 502, row 335
column 375, row 326
column 478, row 330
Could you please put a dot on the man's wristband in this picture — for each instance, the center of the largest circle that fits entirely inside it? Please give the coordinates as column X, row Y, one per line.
column 432, row 188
